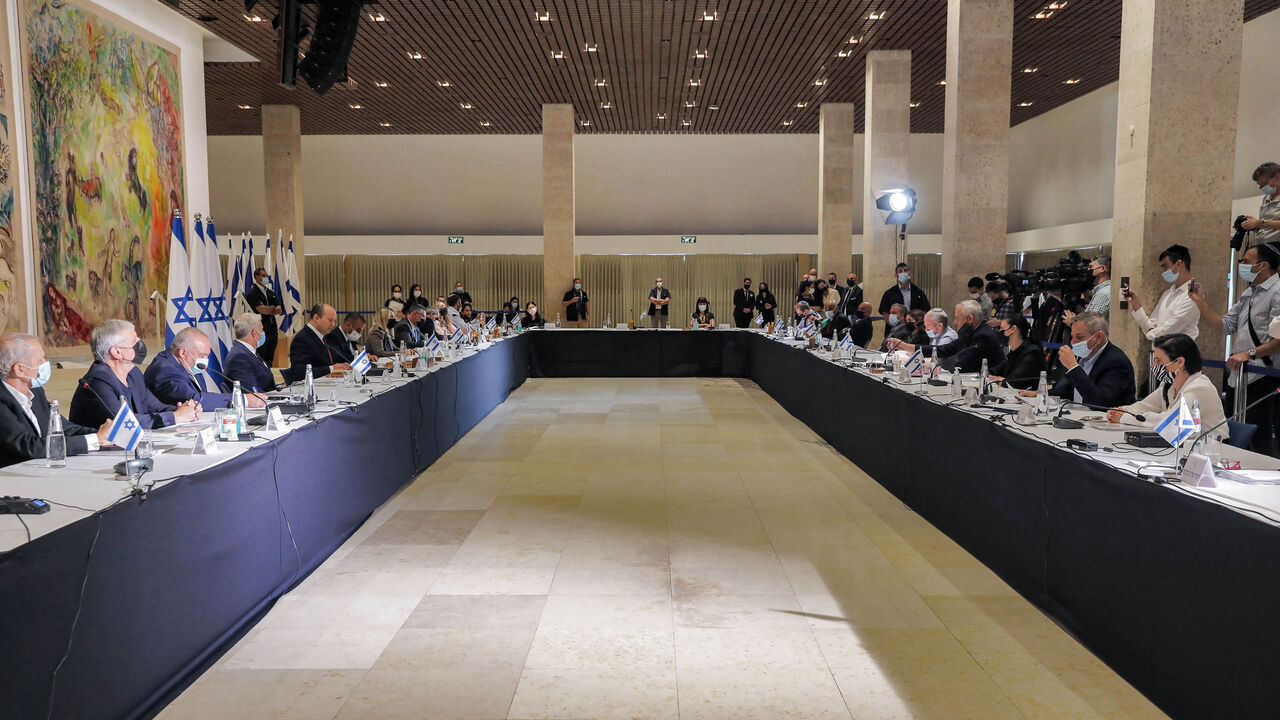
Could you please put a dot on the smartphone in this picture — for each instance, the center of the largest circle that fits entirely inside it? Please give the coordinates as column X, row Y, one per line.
column 1124, row 289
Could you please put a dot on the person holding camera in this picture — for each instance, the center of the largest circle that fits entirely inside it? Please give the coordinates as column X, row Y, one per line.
column 1174, row 312
column 1267, row 225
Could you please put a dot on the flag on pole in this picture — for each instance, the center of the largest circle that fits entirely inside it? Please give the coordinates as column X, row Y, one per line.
column 457, row 335
column 847, row 342
column 221, row 316
column 181, row 299
column 278, row 272
column 810, row 329
column 1178, row 425
column 205, row 295
column 361, row 364
column 433, row 345
column 268, row 262
column 759, row 321
column 235, row 276
column 125, row 429
column 291, row 298
column 493, row 323
column 915, row 364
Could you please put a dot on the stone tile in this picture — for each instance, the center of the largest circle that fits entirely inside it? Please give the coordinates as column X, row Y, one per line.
column 739, row 612
column 759, row 694
column 484, row 611
column 265, row 695
column 747, row 648
column 608, row 648
column 633, row 580
column 340, row 647
column 493, row 581
column 434, row 648
column 596, row 694
column 425, row 527
column 469, row 693
column 607, row 612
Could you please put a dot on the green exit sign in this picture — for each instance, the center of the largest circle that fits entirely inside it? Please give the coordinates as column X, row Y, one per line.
column 689, row 239
column 456, row 239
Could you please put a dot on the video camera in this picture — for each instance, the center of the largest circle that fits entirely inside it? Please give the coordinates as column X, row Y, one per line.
column 1071, row 275
column 1237, row 238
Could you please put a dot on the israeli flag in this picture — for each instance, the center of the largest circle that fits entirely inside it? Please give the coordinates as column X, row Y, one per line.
column 125, row 428
column 457, row 334
column 433, row 345
column 847, row 342
column 493, row 323
column 915, row 364
column 759, row 320
column 182, row 300
column 361, row 364
column 291, row 298
column 810, row 330
column 1178, row 425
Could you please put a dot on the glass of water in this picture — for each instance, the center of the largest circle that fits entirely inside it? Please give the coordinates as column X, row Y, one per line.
column 146, row 445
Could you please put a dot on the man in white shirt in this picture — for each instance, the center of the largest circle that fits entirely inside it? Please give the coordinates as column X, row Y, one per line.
column 1175, row 312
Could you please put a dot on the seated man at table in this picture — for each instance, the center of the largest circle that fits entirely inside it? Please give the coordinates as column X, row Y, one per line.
column 24, row 409
column 114, row 376
column 343, row 339
column 242, row 361
column 895, row 326
column 975, row 341
column 309, row 347
column 862, row 329
column 1095, row 371
column 407, row 334
column 177, row 374
column 834, row 325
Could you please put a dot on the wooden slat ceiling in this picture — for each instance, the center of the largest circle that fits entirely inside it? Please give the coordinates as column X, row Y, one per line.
column 763, row 58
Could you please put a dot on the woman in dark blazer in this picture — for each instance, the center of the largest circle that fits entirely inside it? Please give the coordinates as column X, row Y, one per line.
column 702, row 318
column 1021, row 367
column 766, row 303
column 532, row 318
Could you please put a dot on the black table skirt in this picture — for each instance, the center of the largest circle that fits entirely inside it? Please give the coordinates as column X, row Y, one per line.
column 639, row 353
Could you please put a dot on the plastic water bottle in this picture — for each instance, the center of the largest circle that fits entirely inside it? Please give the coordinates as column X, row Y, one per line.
column 309, row 388
column 55, row 441
column 955, row 383
column 608, row 321
column 238, row 406
column 1195, row 416
column 982, row 379
column 1042, row 395
column 557, row 321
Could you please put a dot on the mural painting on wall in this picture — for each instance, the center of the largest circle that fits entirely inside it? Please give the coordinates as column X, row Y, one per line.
column 12, row 296
column 104, row 101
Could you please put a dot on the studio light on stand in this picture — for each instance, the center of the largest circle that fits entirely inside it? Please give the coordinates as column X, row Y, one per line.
column 898, row 205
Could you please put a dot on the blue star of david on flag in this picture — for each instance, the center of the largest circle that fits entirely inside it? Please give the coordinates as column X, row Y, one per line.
column 125, row 430
column 180, row 305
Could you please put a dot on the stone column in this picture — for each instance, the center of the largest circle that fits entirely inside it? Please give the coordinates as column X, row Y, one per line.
column 835, row 189
column 886, row 163
column 975, row 156
column 1175, row 153
column 282, row 170
column 558, row 263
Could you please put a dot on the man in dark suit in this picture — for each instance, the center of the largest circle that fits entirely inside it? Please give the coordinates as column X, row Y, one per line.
column 309, row 348
column 24, row 409
column 862, row 329
column 114, row 376
column 266, row 303
column 850, row 297
column 905, row 292
column 342, row 339
column 177, row 374
column 975, row 342
column 242, row 361
column 1095, row 372
column 407, row 333
column 744, row 303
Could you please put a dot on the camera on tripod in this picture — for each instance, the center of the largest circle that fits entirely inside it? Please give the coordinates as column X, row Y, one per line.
column 1071, row 275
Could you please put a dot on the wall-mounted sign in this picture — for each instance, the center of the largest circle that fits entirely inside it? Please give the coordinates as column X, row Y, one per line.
column 689, row 239
column 456, row 239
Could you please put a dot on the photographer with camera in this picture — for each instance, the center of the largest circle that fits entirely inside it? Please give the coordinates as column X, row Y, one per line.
column 1174, row 312
column 1267, row 225
column 1003, row 307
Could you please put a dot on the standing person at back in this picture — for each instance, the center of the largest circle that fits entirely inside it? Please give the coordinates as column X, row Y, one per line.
column 577, row 306
column 744, row 304
column 903, row 292
column 659, row 300
column 264, row 301
column 1175, row 312
column 461, row 292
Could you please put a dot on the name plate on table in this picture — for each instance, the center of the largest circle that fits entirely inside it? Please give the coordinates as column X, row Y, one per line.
column 206, row 442
column 1198, row 472
column 275, row 419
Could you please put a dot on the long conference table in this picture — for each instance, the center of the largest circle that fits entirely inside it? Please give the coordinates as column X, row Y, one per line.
column 128, row 600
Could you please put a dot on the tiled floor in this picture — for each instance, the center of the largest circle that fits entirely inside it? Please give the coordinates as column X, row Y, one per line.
column 652, row 548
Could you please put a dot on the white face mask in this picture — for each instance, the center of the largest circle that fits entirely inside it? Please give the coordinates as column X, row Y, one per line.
column 702, row 308
column 397, row 294
column 458, row 289
column 973, row 296
column 577, row 286
column 354, row 335
column 659, row 283
column 417, row 293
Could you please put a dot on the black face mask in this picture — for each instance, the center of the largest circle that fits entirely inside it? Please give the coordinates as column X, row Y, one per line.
column 139, row 352
column 746, row 287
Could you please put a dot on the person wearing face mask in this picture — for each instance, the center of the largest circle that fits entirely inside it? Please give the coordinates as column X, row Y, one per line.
column 577, row 306
column 407, row 333
column 1266, row 226
column 344, row 339
column 975, row 341
column 468, row 314
column 25, row 410
column 659, row 302
column 766, row 303
column 514, row 315
column 1050, row 326
column 415, row 295
column 1003, row 307
column 977, row 294
column 396, row 302
column 1021, row 368
column 915, row 325
column 1248, row 322
column 829, row 291
column 176, row 375
column 702, row 318
column 896, row 327
column 744, row 304
column 905, row 292
column 532, row 318
column 460, row 291
column 850, row 296
column 264, row 300
column 114, row 375
column 242, row 361
column 1175, row 374
column 1100, row 303
column 1094, row 371
column 862, row 328
column 805, row 293
column 834, row 325
column 1175, row 312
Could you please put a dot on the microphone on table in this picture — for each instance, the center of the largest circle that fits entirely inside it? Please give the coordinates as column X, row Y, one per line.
column 110, row 413
column 1269, row 396
column 130, row 467
column 1067, row 424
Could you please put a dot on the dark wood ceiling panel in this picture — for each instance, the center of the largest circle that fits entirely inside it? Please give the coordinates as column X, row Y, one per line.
column 764, row 56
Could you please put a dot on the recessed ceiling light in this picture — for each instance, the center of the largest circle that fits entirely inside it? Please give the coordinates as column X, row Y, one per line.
column 713, row 107
column 1056, row 5
column 245, row 107
column 1042, row 15
column 590, row 47
column 686, row 123
column 585, row 123
column 1029, row 70
column 253, row 18
column 485, row 123
column 844, row 53
column 710, row 15
column 1025, row 104
column 557, row 54
column 606, row 105
column 701, row 54
column 786, row 123
column 465, row 105
column 543, row 16
column 820, row 82
column 414, row 55
column 802, row 104
column 381, row 84
column 854, row 40
column 942, row 82
column 915, row 104
column 662, row 116
column 384, row 124
column 356, row 106
column 602, row 82
column 877, row 16
column 695, row 82
column 377, row 17
column 1071, row 81
column 691, row 103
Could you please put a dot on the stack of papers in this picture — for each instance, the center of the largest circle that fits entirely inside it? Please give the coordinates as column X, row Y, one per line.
column 1252, row 477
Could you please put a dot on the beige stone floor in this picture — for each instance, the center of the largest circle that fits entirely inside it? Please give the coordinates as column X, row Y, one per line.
column 652, row 548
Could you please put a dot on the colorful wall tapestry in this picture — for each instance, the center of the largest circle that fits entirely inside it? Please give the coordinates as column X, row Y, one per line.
column 107, row 169
column 13, row 301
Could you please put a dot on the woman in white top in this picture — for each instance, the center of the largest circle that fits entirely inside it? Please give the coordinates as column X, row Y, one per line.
column 1177, row 374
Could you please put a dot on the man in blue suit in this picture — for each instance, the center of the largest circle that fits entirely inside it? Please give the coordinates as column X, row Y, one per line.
column 242, row 361
column 177, row 374
column 309, row 347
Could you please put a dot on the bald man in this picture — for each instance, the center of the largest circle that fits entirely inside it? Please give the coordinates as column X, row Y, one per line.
column 176, row 375
column 309, row 347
